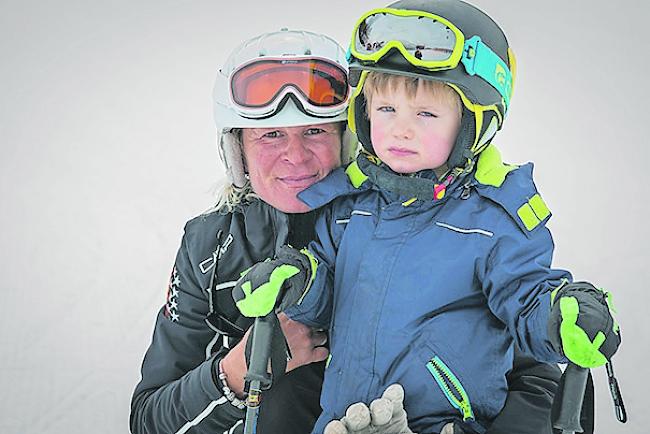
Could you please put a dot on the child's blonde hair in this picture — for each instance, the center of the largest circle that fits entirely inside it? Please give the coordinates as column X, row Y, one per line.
column 381, row 81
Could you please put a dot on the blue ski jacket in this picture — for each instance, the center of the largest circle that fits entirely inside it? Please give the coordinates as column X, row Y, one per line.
column 430, row 294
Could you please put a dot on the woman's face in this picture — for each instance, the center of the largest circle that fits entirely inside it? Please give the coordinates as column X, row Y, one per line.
column 281, row 162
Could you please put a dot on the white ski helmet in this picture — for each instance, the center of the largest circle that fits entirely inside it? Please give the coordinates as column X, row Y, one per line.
column 286, row 67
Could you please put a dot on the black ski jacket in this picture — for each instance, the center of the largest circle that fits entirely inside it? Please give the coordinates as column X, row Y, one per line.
column 179, row 392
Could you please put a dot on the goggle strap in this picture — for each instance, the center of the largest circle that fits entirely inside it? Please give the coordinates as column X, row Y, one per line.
column 479, row 59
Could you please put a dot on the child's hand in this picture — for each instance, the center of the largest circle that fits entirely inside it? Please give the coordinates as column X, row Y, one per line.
column 581, row 325
column 386, row 415
column 280, row 281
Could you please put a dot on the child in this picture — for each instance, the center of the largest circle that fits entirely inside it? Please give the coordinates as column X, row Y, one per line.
column 433, row 257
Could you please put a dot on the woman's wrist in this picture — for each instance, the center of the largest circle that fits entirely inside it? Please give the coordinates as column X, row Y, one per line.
column 227, row 392
column 233, row 369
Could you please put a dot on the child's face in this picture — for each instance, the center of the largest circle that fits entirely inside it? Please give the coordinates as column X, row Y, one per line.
column 412, row 134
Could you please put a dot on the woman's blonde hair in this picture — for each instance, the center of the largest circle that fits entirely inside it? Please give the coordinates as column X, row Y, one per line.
column 230, row 196
column 376, row 82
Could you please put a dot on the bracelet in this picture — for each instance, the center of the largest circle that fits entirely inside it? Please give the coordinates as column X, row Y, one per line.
column 229, row 394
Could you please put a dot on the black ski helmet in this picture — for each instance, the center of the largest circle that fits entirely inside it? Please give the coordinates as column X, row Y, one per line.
column 484, row 108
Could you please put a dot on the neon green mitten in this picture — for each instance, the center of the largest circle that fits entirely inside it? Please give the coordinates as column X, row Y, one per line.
column 581, row 325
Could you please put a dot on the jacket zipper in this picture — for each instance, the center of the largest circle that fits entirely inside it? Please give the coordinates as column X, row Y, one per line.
column 466, row 190
column 451, row 387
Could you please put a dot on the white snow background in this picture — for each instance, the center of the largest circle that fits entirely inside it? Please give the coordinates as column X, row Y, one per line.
column 107, row 148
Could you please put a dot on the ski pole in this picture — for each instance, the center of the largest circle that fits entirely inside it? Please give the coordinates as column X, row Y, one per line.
column 615, row 391
column 575, row 381
column 257, row 374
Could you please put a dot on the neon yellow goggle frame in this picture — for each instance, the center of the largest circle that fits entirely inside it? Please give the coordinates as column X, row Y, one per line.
column 430, row 42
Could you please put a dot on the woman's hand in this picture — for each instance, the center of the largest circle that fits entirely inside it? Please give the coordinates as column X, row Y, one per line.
column 305, row 345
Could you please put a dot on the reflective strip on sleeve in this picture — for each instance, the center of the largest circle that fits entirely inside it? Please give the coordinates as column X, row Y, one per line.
column 539, row 207
column 533, row 212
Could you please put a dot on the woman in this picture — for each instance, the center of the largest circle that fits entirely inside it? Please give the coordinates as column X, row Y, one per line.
column 280, row 108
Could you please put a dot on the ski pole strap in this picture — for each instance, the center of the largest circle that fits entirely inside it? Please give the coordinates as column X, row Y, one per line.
column 280, row 353
column 575, row 381
column 615, row 391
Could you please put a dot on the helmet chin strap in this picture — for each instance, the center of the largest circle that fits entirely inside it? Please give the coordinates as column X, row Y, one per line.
column 464, row 140
column 349, row 145
column 233, row 158
column 464, row 154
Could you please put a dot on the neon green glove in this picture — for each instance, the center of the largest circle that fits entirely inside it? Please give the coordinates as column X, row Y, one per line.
column 279, row 282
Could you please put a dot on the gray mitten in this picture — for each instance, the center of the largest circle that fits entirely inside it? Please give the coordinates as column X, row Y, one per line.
column 386, row 415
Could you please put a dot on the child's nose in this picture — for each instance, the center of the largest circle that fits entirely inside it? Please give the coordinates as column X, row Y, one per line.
column 402, row 129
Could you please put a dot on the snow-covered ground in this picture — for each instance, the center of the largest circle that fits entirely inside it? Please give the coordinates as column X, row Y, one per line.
column 107, row 148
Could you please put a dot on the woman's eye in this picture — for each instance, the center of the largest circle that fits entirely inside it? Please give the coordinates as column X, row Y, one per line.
column 314, row 131
column 271, row 135
column 386, row 109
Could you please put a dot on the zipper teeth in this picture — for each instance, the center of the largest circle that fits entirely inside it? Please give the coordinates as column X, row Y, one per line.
column 446, row 378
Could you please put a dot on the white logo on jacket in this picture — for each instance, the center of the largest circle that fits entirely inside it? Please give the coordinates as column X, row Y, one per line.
column 207, row 264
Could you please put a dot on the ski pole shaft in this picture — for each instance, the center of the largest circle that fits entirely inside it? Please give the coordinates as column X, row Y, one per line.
column 575, row 381
column 257, row 374
column 615, row 391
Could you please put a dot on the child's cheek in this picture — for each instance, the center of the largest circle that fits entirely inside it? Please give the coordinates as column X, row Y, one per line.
column 377, row 132
column 438, row 146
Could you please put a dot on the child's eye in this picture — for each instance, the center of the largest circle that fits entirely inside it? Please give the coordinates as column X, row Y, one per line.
column 386, row 109
column 427, row 114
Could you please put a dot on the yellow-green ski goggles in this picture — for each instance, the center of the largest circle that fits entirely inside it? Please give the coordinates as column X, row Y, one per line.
column 430, row 42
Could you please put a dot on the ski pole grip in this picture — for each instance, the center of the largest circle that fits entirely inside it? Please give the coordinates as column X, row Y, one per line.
column 575, row 382
column 260, row 349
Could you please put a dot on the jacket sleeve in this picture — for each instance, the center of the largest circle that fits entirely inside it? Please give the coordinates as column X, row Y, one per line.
column 531, row 388
column 178, row 389
column 315, row 308
column 517, row 282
